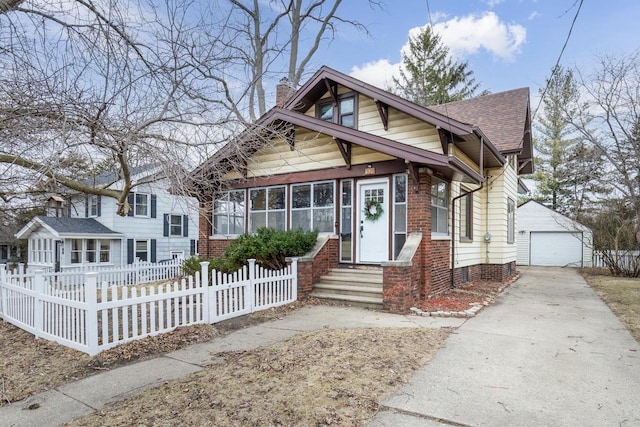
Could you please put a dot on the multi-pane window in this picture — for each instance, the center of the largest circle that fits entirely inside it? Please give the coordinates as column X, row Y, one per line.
column 343, row 114
column 466, row 218
column 439, row 207
column 312, row 207
column 267, row 208
column 175, row 225
column 228, row 212
column 141, row 204
column 90, row 251
column 142, row 250
column 346, row 222
column 92, row 208
column 511, row 221
column 399, row 213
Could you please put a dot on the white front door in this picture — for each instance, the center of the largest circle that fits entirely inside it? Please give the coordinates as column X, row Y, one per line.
column 373, row 228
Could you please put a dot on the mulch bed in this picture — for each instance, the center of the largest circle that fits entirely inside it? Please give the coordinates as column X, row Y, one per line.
column 465, row 296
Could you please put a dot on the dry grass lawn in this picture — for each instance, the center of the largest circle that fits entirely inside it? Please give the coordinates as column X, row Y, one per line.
column 622, row 295
column 328, row 377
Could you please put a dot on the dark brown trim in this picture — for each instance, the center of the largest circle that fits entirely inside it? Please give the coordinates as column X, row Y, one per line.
column 357, row 171
column 414, row 175
column 383, row 111
column 332, row 88
column 444, row 140
column 345, row 150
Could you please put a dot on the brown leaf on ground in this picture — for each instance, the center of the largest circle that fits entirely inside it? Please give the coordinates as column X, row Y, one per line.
column 326, row 377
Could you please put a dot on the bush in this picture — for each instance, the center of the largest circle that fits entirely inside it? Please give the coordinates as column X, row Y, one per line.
column 269, row 247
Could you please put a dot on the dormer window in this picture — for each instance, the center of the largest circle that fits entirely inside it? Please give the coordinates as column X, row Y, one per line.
column 343, row 114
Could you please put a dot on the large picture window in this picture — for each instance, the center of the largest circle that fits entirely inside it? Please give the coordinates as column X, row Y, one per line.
column 90, row 251
column 312, row 207
column 267, row 208
column 439, row 207
column 228, row 212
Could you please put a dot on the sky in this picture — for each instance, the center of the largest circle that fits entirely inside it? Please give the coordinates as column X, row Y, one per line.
column 508, row 43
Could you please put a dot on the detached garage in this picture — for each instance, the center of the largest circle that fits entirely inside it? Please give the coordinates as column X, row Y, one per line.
column 548, row 238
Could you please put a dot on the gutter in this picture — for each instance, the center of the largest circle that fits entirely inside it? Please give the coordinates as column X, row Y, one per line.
column 453, row 211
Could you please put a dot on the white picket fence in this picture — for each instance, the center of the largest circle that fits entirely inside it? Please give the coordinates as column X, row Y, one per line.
column 626, row 259
column 93, row 316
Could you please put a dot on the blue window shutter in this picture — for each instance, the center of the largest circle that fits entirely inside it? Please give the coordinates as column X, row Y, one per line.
column 153, row 250
column 153, row 205
column 86, row 206
column 165, row 225
column 99, row 205
column 192, row 248
column 185, row 226
column 130, row 254
column 131, row 204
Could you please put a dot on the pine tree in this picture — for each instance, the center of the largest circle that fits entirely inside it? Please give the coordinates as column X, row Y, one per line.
column 429, row 76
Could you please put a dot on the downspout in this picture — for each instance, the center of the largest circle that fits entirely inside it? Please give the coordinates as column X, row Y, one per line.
column 453, row 212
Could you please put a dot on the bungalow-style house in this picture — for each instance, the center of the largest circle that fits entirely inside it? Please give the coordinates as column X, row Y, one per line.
column 409, row 201
column 86, row 230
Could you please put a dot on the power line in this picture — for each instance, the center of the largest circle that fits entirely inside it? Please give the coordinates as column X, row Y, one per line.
column 555, row 67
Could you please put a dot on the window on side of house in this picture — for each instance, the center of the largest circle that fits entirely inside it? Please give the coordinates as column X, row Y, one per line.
column 399, row 213
column 228, row 212
column 312, row 207
column 175, row 225
column 142, row 250
column 466, row 218
column 76, row 251
column 105, row 251
column 92, row 208
column 511, row 221
column 439, row 207
column 343, row 114
column 141, row 204
column 267, row 208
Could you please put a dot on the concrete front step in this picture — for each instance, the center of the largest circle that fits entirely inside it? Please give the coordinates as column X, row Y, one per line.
column 353, row 286
column 359, row 300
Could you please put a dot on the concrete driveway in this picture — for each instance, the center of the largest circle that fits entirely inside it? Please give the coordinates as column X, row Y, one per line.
column 548, row 353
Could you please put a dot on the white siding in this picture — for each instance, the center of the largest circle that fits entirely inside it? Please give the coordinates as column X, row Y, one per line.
column 469, row 253
column 501, row 186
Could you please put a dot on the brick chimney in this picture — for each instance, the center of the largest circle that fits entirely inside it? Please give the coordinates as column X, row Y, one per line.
column 284, row 92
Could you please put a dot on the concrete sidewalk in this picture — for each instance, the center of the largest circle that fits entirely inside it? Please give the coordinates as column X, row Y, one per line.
column 85, row 396
column 548, row 353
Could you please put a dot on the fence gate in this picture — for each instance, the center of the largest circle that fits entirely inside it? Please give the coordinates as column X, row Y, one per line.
column 250, row 289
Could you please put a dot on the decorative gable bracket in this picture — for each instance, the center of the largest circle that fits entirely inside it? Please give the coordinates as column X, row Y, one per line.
column 412, row 168
column 345, row 150
column 383, row 110
column 332, row 88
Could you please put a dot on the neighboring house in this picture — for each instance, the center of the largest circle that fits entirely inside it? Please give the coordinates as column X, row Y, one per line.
column 428, row 194
column 160, row 226
column 548, row 238
column 9, row 251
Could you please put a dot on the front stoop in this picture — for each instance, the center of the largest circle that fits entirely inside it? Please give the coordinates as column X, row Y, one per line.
column 354, row 286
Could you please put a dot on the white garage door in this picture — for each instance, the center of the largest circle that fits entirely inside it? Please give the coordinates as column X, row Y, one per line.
column 556, row 249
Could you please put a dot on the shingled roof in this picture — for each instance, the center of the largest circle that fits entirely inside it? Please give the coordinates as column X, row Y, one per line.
column 503, row 117
column 68, row 227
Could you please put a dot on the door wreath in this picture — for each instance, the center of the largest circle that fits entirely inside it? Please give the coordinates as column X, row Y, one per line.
column 372, row 210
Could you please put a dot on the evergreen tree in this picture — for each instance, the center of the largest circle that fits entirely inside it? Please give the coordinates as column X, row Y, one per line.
column 429, row 76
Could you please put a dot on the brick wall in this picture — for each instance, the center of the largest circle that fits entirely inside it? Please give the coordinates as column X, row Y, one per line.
column 440, row 272
column 310, row 269
column 205, row 230
column 498, row 272
column 474, row 274
column 419, row 220
column 402, row 284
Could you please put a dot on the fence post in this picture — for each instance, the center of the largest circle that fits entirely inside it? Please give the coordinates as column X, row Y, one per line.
column 294, row 273
column 91, row 313
column 251, row 295
column 3, row 282
column 38, row 309
column 204, row 282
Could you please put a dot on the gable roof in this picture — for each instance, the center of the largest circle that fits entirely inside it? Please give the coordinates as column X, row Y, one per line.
column 108, row 178
column 68, row 227
column 505, row 117
column 536, row 210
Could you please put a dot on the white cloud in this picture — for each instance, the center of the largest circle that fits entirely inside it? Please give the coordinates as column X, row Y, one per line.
column 464, row 36
column 378, row 73
column 492, row 3
column 469, row 34
column 533, row 15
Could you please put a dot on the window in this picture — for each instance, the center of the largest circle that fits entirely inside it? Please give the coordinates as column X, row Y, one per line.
column 346, row 222
column 399, row 213
column 91, row 252
column 141, row 204
column 105, row 250
column 92, row 205
column 439, row 207
column 511, row 221
column 268, row 208
column 228, row 212
column 142, row 250
column 76, row 251
column 343, row 114
column 466, row 218
column 312, row 207
column 175, row 225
